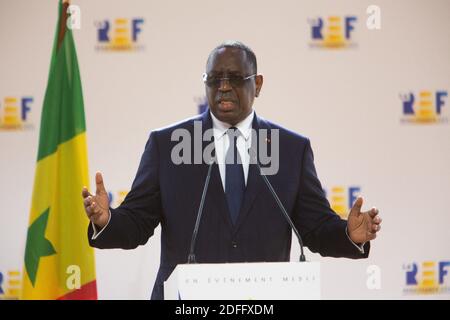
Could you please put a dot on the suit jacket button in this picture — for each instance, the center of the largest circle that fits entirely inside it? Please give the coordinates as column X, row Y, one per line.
column 234, row 245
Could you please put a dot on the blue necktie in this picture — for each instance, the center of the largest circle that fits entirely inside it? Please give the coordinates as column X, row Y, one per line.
column 234, row 176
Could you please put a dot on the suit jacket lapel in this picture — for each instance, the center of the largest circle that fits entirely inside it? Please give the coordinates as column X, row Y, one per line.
column 254, row 181
column 215, row 190
column 218, row 196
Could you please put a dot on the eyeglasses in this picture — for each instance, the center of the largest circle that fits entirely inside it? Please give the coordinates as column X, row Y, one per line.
column 234, row 80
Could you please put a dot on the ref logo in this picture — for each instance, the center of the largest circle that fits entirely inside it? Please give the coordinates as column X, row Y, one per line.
column 429, row 277
column 14, row 113
column 424, row 107
column 10, row 284
column 342, row 198
column 333, row 32
column 116, row 198
column 119, row 34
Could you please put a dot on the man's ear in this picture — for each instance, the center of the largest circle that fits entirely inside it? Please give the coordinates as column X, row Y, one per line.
column 259, row 82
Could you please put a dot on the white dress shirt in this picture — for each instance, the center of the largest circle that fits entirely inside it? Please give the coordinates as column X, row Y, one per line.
column 222, row 143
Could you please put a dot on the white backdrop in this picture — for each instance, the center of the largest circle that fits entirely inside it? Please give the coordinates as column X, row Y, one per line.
column 346, row 100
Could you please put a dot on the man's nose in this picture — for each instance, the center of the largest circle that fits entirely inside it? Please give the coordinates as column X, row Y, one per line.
column 224, row 85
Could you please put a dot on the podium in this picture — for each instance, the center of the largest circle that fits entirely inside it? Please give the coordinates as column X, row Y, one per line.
column 244, row 281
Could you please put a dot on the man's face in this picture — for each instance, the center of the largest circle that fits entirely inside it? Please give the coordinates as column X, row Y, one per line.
column 229, row 102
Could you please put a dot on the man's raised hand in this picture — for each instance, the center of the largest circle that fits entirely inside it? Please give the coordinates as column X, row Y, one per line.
column 363, row 226
column 97, row 206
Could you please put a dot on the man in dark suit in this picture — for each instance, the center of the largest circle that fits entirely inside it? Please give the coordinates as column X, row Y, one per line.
column 241, row 220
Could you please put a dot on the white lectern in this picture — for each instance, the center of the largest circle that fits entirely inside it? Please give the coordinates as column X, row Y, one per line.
column 244, row 281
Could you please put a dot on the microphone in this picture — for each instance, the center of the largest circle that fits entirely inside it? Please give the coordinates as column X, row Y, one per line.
column 191, row 256
column 279, row 203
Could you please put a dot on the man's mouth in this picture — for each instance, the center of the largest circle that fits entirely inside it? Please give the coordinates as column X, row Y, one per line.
column 226, row 105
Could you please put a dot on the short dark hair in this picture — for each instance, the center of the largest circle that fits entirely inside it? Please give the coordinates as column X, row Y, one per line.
column 251, row 57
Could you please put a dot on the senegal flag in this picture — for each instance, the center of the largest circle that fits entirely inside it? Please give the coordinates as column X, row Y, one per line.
column 59, row 263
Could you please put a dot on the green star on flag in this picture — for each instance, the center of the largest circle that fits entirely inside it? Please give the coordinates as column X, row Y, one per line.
column 37, row 245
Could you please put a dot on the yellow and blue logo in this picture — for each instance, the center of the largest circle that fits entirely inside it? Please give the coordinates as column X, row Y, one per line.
column 10, row 284
column 429, row 277
column 116, row 198
column 333, row 32
column 14, row 113
column 119, row 34
column 341, row 199
column 424, row 107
